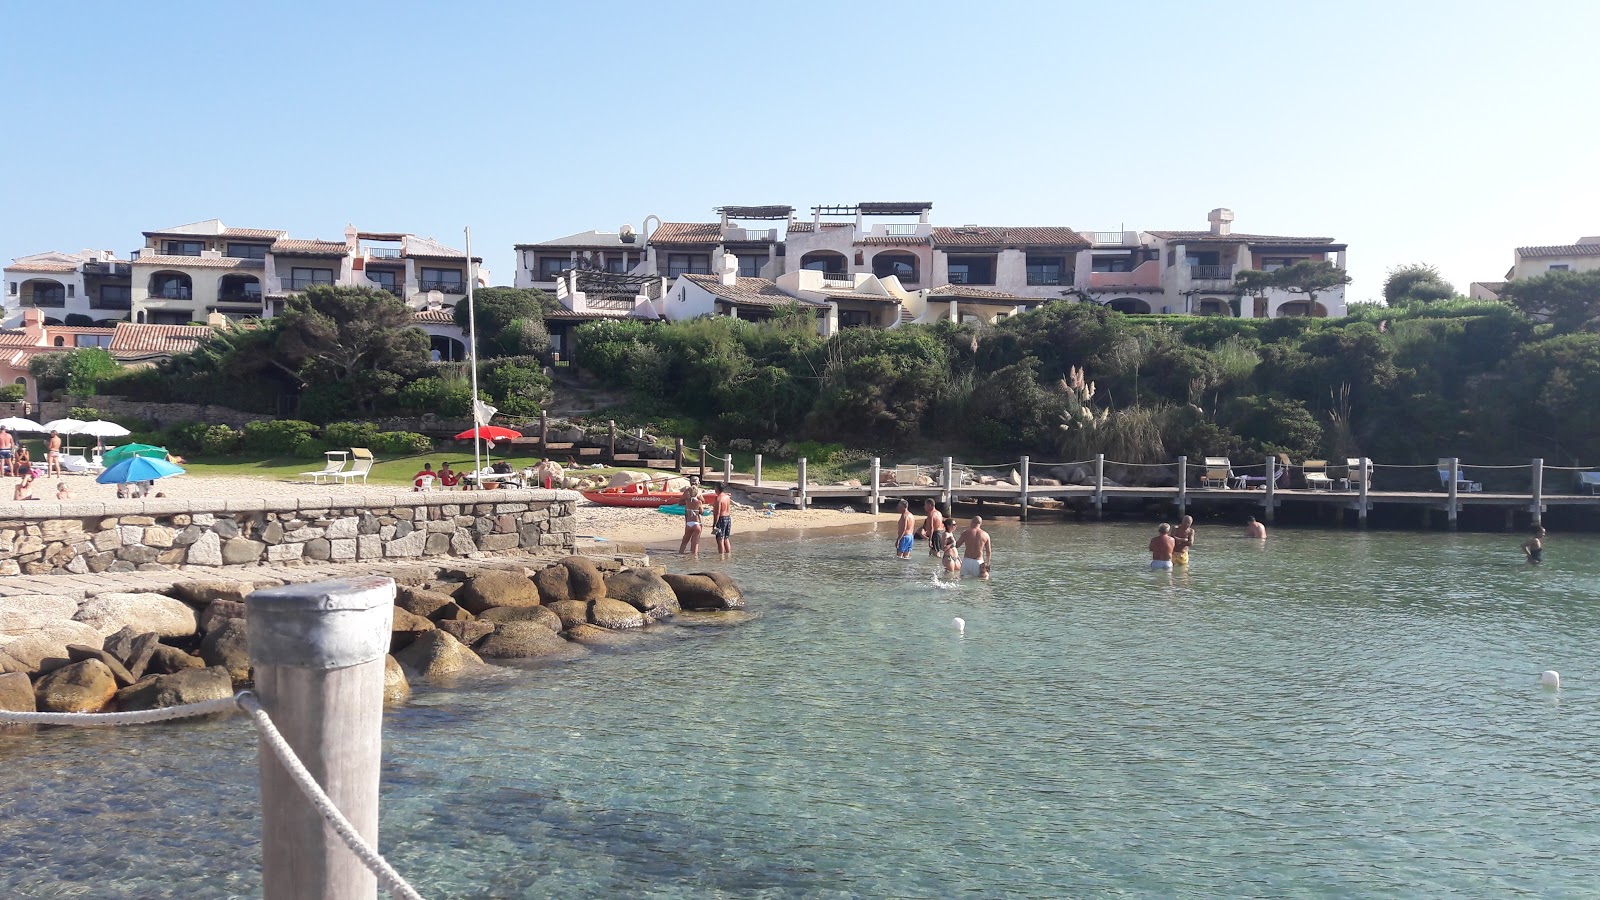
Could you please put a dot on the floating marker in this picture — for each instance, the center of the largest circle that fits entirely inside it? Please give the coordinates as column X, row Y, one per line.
column 1550, row 678
column 961, row 628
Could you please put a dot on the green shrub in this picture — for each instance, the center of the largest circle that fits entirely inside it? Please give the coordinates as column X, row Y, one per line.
column 516, row 385
column 815, row 451
column 13, row 392
column 451, row 398
column 81, row 413
column 326, row 403
column 283, row 437
column 188, row 437
column 220, row 440
column 402, row 443
column 351, row 434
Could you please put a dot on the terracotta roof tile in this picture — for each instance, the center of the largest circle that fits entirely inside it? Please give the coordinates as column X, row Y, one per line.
column 1206, row 237
column 1006, row 236
column 972, row 293
column 436, row 316
column 132, row 338
column 811, row 227
column 750, row 291
column 17, row 338
column 42, row 267
column 310, row 248
column 898, row 239
column 204, row 262
column 1548, row 251
column 567, row 315
column 853, row 295
column 687, row 233
column 262, row 233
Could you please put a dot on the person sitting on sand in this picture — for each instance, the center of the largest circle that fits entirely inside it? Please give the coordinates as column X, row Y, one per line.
column 1254, row 529
column 23, row 492
column 1182, row 540
column 24, row 462
column 932, row 528
column 424, row 479
column 908, row 524
column 975, row 541
column 1533, row 547
column 1161, row 548
column 61, row 491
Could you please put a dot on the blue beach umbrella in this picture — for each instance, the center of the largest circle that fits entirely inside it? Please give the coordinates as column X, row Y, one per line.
column 138, row 468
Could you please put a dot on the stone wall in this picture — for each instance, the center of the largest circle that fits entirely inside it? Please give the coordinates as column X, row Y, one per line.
column 154, row 534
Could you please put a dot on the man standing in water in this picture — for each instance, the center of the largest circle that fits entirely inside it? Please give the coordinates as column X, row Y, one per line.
column 975, row 546
column 933, row 528
column 1533, row 547
column 722, row 521
column 1182, row 540
column 1254, row 529
column 908, row 524
column 1161, row 548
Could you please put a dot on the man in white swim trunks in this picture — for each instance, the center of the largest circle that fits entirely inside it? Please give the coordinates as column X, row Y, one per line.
column 976, row 548
column 1161, row 548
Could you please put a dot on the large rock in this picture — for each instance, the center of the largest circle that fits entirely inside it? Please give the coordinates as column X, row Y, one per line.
column 16, row 693
column 615, row 614
column 526, row 640
column 541, row 614
column 132, row 649
column 597, row 636
column 206, row 550
column 218, row 612
column 201, row 594
column 167, row 660
column 177, row 689
column 642, row 589
column 584, row 579
column 498, row 588
column 239, row 551
column 11, row 665
column 407, row 627
column 22, row 615
column 395, row 686
column 422, row 602
column 80, row 687
column 451, row 612
column 80, row 652
column 701, row 591
column 142, row 612
column 571, row 612
column 45, row 648
column 436, row 653
column 229, row 648
column 471, row 632
column 554, row 583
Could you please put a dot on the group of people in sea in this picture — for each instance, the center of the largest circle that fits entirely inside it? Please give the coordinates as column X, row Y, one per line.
column 696, row 507
column 966, row 555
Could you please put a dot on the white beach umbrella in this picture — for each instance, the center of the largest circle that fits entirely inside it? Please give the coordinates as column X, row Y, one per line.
column 65, row 426
column 102, row 429
column 18, row 423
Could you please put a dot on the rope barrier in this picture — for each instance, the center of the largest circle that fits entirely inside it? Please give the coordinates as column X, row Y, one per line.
column 1113, row 462
column 397, row 886
column 1572, row 468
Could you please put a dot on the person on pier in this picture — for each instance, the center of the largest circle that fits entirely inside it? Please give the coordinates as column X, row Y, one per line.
column 1182, row 540
column 932, row 529
column 1533, row 547
column 1161, row 548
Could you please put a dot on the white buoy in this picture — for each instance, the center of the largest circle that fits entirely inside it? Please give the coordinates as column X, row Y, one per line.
column 1550, row 678
column 961, row 625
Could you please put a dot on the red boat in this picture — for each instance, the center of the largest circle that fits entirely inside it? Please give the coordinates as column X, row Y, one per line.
column 621, row 496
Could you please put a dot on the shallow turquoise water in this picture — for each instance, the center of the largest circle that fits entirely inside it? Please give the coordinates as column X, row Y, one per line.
column 1336, row 714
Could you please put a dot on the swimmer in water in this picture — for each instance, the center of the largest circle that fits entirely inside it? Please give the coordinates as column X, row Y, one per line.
column 1254, row 529
column 951, row 561
column 1533, row 547
column 1182, row 540
column 1161, row 548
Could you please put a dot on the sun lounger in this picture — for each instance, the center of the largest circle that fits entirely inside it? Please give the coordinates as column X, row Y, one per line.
column 337, row 460
column 1355, row 476
column 1463, row 483
column 1590, row 481
column 1218, row 470
column 363, row 465
column 1315, row 472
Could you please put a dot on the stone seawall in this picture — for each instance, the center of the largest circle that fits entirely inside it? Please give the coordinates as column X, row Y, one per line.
column 154, row 534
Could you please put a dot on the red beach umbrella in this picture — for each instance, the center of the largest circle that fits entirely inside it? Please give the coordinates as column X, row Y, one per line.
column 489, row 433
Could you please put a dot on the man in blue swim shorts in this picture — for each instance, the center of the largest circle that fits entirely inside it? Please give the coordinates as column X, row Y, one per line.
column 908, row 524
column 1161, row 548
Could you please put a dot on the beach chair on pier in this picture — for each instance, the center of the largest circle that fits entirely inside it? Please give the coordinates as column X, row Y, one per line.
column 363, row 465
column 337, row 460
column 1589, row 481
column 1463, row 483
column 1355, row 476
column 1315, row 472
column 1218, row 470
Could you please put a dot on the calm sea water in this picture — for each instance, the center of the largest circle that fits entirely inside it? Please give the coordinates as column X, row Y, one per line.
column 1333, row 714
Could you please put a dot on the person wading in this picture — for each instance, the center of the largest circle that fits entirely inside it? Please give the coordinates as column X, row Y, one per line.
column 722, row 521
column 691, row 519
column 976, row 547
column 1161, row 548
column 908, row 524
column 932, row 529
column 1182, row 540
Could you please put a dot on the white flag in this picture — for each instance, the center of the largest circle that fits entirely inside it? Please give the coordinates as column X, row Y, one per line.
column 483, row 412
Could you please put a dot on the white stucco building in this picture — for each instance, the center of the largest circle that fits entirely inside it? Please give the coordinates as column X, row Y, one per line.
column 1532, row 262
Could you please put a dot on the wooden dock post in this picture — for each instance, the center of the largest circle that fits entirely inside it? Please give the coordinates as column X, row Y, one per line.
column 1538, row 492
column 727, row 468
column 677, row 456
column 1183, row 485
column 1022, row 491
column 544, row 433
column 1269, row 505
column 611, row 442
column 758, row 470
column 1451, row 507
column 800, row 492
column 876, row 496
column 318, row 653
column 1361, row 513
column 948, row 483
column 702, row 463
column 1099, row 484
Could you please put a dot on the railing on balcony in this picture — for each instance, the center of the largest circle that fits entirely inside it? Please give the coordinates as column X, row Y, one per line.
column 120, row 270
column 971, row 278
column 251, row 297
column 111, row 303
column 1211, row 273
column 900, row 230
column 838, row 277
column 1038, row 279
column 384, row 252
column 444, row 287
column 45, row 301
column 179, row 251
column 1106, row 237
column 399, row 290
column 171, row 293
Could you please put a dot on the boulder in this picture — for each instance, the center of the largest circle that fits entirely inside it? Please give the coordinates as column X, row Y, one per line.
column 642, row 589
column 421, row 602
column 80, row 652
column 166, row 660
column 541, row 614
column 701, row 591
column 451, row 612
column 132, row 649
column 201, row 594
column 11, row 665
column 142, row 612
column 571, row 612
column 407, row 627
column 497, row 588
column 554, row 584
column 526, row 640
column 16, row 693
column 597, row 636
column 22, row 615
column 436, row 653
column 585, row 581
column 220, row 611
column 395, row 687
column 45, row 648
column 79, row 687
column 615, row 614
column 177, row 689
column 227, row 647
column 470, row 633
column 240, row 551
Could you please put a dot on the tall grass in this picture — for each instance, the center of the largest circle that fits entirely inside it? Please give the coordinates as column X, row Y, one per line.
column 1236, row 359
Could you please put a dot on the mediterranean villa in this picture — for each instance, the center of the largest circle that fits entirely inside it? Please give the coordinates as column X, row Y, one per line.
column 883, row 264
column 1531, row 262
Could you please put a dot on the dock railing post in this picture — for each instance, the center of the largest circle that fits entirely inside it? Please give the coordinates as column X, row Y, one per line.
column 727, row 468
column 1453, row 470
column 1099, row 483
column 876, row 498
column 758, row 470
column 1538, row 491
column 544, row 433
column 1183, row 485
column 1022, row 491
column 677, row 456
column 800, row 491
column 1366, row 473
column 318, row 654
column 1267, row 502
column 702, row 463
column 949, row 486
column 611, row 443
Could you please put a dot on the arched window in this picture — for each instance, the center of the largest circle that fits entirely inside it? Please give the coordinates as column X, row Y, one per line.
column 170, row 286
column 1214, row 306
column 898, row 263
column 825, row 261
column 60, row 342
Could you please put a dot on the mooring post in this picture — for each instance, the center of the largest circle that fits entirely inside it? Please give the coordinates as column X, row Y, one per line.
column 544, row 433
column 1183, row 485
column 727, row 468
column 1268, row 504
column 1454, row 471
column 1538, row 492
column 800, row 491
column 1361, row 513
column 758, row 470
column 949, row 487
column 876, row 499
column 1022, row 492
column 1099, row 484
column 318, row 654
column 611, row 441
column 702, row 463
column 677, row 456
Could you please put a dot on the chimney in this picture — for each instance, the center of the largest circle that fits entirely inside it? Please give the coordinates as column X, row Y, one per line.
column 33, row 323
column 350, row 239
column 1221, row 220
column 217, row 320
column 729, row 273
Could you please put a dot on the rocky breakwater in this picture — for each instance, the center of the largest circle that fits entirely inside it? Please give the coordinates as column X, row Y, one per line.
column 134, row 651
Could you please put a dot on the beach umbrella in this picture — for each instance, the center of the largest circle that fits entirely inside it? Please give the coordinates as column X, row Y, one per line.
column 137, row 468
column 18, row 423
column 65, row 426
column 102, row 429
column 489, row 433
column 126, row 450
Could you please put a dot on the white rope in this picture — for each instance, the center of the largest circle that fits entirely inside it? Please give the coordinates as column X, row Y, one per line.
column 143, row 717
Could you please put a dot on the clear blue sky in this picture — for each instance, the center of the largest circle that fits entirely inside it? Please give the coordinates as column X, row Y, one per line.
column 1440, row 132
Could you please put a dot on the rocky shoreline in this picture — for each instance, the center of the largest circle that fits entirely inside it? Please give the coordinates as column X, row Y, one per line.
column 139, row 651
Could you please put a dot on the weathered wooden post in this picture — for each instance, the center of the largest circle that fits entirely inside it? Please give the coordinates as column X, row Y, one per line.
column 611, row 442
column 949, row 486
column 876, row 497
column 544, row 433
column 1453, row 469
column 677, row 457
column 702, row 463
column 1022, row 491
column 800, row 495
column 758, row 470
column 727, row 468
column 1271, row 488
column 1099, row 484
column 1183, row 485
column 1538, row 492
column 1366, row 469
column 318, row 653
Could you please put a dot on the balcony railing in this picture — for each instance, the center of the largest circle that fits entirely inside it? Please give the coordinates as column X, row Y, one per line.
column 971, row 278
column 178, row 251
column 46, row 301
column 171, row 293
column 444, row 287
column 120, row 270
column 111, row 303
column 1211, row 273
column 900, row 230
column 1106, row 237
column 384, row 252
column 300, row 284
column 253, row 297
column 399, row 290
column 1048, row 278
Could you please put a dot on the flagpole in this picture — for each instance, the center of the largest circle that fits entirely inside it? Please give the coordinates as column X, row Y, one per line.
column 472, row 356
